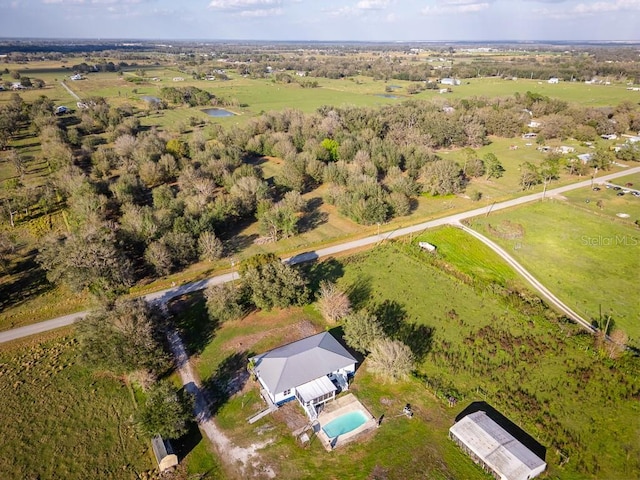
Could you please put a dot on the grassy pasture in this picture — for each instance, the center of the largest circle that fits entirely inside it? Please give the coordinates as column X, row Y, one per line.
column 572, row 92
column 585, row 254
column 544, row 376
column 60, row 420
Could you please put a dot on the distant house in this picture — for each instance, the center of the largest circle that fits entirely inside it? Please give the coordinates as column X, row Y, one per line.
column 75, row 77
column 445, row 90
column 17, row 86
column 450, row 81
column 534, row 124
column 310, row 370
column 529, row 135
column 61, row 110
column 611, row 136
column 553, row 80
column 585, row 157
column 495, row 449
column 448, row 109
column 565, row 149
column 178, row 79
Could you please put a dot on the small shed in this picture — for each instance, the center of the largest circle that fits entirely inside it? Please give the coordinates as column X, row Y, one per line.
column 427, row 246
column 163, row 451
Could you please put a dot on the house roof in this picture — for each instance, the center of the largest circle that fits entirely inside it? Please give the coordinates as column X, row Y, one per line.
column 315, row 389
column 496, row 447
column 301, row 362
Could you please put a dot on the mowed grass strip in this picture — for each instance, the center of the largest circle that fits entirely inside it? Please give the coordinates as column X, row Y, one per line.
column 61, row 420
column 586, row 255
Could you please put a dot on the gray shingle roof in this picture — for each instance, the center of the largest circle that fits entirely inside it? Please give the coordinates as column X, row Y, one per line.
column 300, row 362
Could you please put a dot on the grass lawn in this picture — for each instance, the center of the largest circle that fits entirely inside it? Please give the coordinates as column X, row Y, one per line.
column 60, row 420
column 583, row 252
column 474, row 345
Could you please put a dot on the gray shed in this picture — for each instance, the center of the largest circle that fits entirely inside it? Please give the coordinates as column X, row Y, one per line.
column 164, row 453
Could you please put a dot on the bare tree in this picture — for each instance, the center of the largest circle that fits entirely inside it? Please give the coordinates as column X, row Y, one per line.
column 391, row 358
column 617, row 343
column 333, row 303
column 210, row 247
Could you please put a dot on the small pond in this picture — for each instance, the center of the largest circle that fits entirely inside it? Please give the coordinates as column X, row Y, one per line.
column 150, row 99
column 386, row 95
column 218, row 112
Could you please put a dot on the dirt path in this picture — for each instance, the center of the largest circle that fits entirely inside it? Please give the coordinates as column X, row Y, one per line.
column 544, row 291
column 245, row 460
column 71, row 92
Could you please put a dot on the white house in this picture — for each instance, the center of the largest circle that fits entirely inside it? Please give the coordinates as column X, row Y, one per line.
column 310, row 370
column 564, row 149
column 553, row 80
column 75, row 77
column 495, row 449
column 450, row 81
column 585, row 157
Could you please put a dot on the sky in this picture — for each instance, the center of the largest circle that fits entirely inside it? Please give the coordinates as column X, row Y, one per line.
column 324, row 20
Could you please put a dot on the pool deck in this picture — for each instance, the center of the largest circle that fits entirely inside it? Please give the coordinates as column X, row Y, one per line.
column 333, row 410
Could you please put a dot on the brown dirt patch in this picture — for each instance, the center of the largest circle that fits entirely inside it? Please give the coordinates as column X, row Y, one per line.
column 291, row 414
column 286, row 333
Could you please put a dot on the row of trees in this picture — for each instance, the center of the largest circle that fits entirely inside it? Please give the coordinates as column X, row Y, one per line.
column 153, row 202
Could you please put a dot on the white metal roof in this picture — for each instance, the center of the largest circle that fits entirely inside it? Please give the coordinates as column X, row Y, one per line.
column 315, row 389
column 497, row 448
column 301, row 362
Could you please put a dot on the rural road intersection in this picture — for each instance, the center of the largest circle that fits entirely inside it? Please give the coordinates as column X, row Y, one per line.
column 163, row 296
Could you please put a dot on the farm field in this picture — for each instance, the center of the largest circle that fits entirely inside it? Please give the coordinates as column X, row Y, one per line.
column 581, row 249
column 475, row 344
column 60, row 420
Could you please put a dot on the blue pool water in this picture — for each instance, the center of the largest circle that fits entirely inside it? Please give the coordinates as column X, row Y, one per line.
column 344, row 423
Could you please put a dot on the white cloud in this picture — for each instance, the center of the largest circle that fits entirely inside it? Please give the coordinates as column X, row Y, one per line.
column 243, row 4
column 372, row 4
column 602, row 7
column 455, row 6
column 262, row 12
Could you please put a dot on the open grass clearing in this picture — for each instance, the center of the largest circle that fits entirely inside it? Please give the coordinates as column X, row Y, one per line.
column 61, row 420
column 476, row 345
column 585, row 254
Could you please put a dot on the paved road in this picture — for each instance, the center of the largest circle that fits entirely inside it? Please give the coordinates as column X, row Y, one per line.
column 165, row 295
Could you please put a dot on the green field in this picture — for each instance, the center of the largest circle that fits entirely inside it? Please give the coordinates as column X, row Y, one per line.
column 476, row 344
column 61, row 420
column 584, row 253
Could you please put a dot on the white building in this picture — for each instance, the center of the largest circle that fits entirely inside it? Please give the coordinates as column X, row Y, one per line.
column 310, row 370
column 495, row 449
column 553, row 80
column 450, row 81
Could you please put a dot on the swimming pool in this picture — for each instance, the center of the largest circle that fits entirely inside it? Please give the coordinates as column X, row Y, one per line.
column 345, row 423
